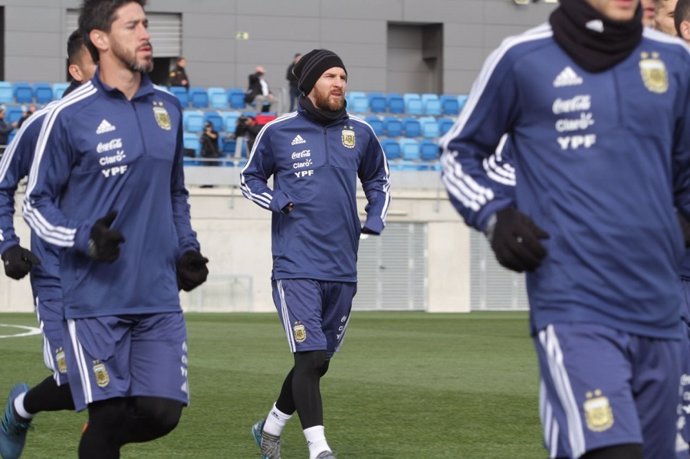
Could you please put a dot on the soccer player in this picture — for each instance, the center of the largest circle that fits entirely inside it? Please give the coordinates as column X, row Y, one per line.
column 315, row 156
column 106, row 187
column 597, row 113
column 53, row 393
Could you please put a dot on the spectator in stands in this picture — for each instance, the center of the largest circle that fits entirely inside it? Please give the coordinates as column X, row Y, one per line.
column 600, row 340
column 5, row 128
column 53, row 393
column 258, row 92
column 209, row 145
column 178, row 75
column 292, row 81
column 26, row 112
column 663, row 16
column 109, row 162
column 247, row 127
column 314, row 158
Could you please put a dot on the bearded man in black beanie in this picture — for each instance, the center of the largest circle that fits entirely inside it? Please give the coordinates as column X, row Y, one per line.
column 597, row 113
column 315, row 156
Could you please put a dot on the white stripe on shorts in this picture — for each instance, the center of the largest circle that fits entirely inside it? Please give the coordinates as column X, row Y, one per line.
column 82, row 365
column 564, row 391
column 285, row 316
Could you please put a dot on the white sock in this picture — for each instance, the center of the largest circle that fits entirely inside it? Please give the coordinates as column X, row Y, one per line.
column 19, row 407
column 276, row 421
column 316, row 440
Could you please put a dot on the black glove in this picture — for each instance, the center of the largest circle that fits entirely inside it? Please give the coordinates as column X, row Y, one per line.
column 366, row 230
column 684, row 226
column 515, row 240
column 191, row 270
column 18, row 261
column 104, row 243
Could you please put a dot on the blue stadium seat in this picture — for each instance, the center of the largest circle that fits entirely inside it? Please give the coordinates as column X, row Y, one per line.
column 182, row 95
column 229, row 120
column 228, row 146
column 428, row 150
column 198, row 97
column 392, row 126
column 193, row 121
column 377, row 102
column 6, row 95
column 461, row 100
column 411, row 127
column 215, row 119
column 410, row 149
column 59, row 90
column 431, row 104
column 218, row 98
column 236, row 98
column 13, row 113
column 449, row 105
column 23, row 93
column 396, row 103
column 444, row 125
column 391, row 148
column 376, row 124
column 191, row 142
column 430, row 127
column 357, row 102
column 413, row 104
column 43, row 93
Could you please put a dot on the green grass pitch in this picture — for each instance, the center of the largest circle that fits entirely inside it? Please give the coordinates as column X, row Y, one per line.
column 405, row 385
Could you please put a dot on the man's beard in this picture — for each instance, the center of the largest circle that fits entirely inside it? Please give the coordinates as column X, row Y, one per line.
column 322, row 102
column 130, row 60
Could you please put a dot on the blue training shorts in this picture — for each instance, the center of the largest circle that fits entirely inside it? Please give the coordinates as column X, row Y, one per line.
column 127, row 356
column 602, row 387
column 314, row 313
column 51, row 321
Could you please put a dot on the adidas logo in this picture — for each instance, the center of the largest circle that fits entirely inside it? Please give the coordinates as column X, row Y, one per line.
column 104, row 127
column 567, row 77
column 297, row 140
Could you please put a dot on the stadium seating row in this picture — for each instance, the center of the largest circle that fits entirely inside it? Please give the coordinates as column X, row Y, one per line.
column 26, row 93
column 424, row 126
column 220, row 98
column 408, row 103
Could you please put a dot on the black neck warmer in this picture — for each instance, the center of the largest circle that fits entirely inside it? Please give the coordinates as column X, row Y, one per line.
column 324, row 117
column 593, row 41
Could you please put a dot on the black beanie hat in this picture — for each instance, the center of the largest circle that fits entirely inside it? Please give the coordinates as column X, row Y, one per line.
column 311, row 66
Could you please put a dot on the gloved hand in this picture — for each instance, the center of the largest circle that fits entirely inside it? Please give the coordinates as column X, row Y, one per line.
column 685, row 228
column 191, row 270
column 104, row 242
column 18, row 261
column 515, row 241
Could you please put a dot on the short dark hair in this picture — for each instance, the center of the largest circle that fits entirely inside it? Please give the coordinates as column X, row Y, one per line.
column 74, row 44
column 99, row 14
column 682, row 13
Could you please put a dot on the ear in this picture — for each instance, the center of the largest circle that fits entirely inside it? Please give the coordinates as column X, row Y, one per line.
column 75, row 72
column 99, row 39
column 685, row 30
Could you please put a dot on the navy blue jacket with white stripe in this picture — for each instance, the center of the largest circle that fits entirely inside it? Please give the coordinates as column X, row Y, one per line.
column 316, row 168
column 99, row 152
column 601, row 162
column 14, row 166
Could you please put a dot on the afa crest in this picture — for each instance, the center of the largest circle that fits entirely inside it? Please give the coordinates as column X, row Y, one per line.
column 101, row 373
column 653, row 72
column 598, row 412
column 348, row 137
column 300, row 332
column 161, row 115
column 60, row 360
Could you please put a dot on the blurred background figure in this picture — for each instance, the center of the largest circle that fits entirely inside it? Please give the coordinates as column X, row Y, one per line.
column 258, row 91
column 292, row 81
column 178, row 75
